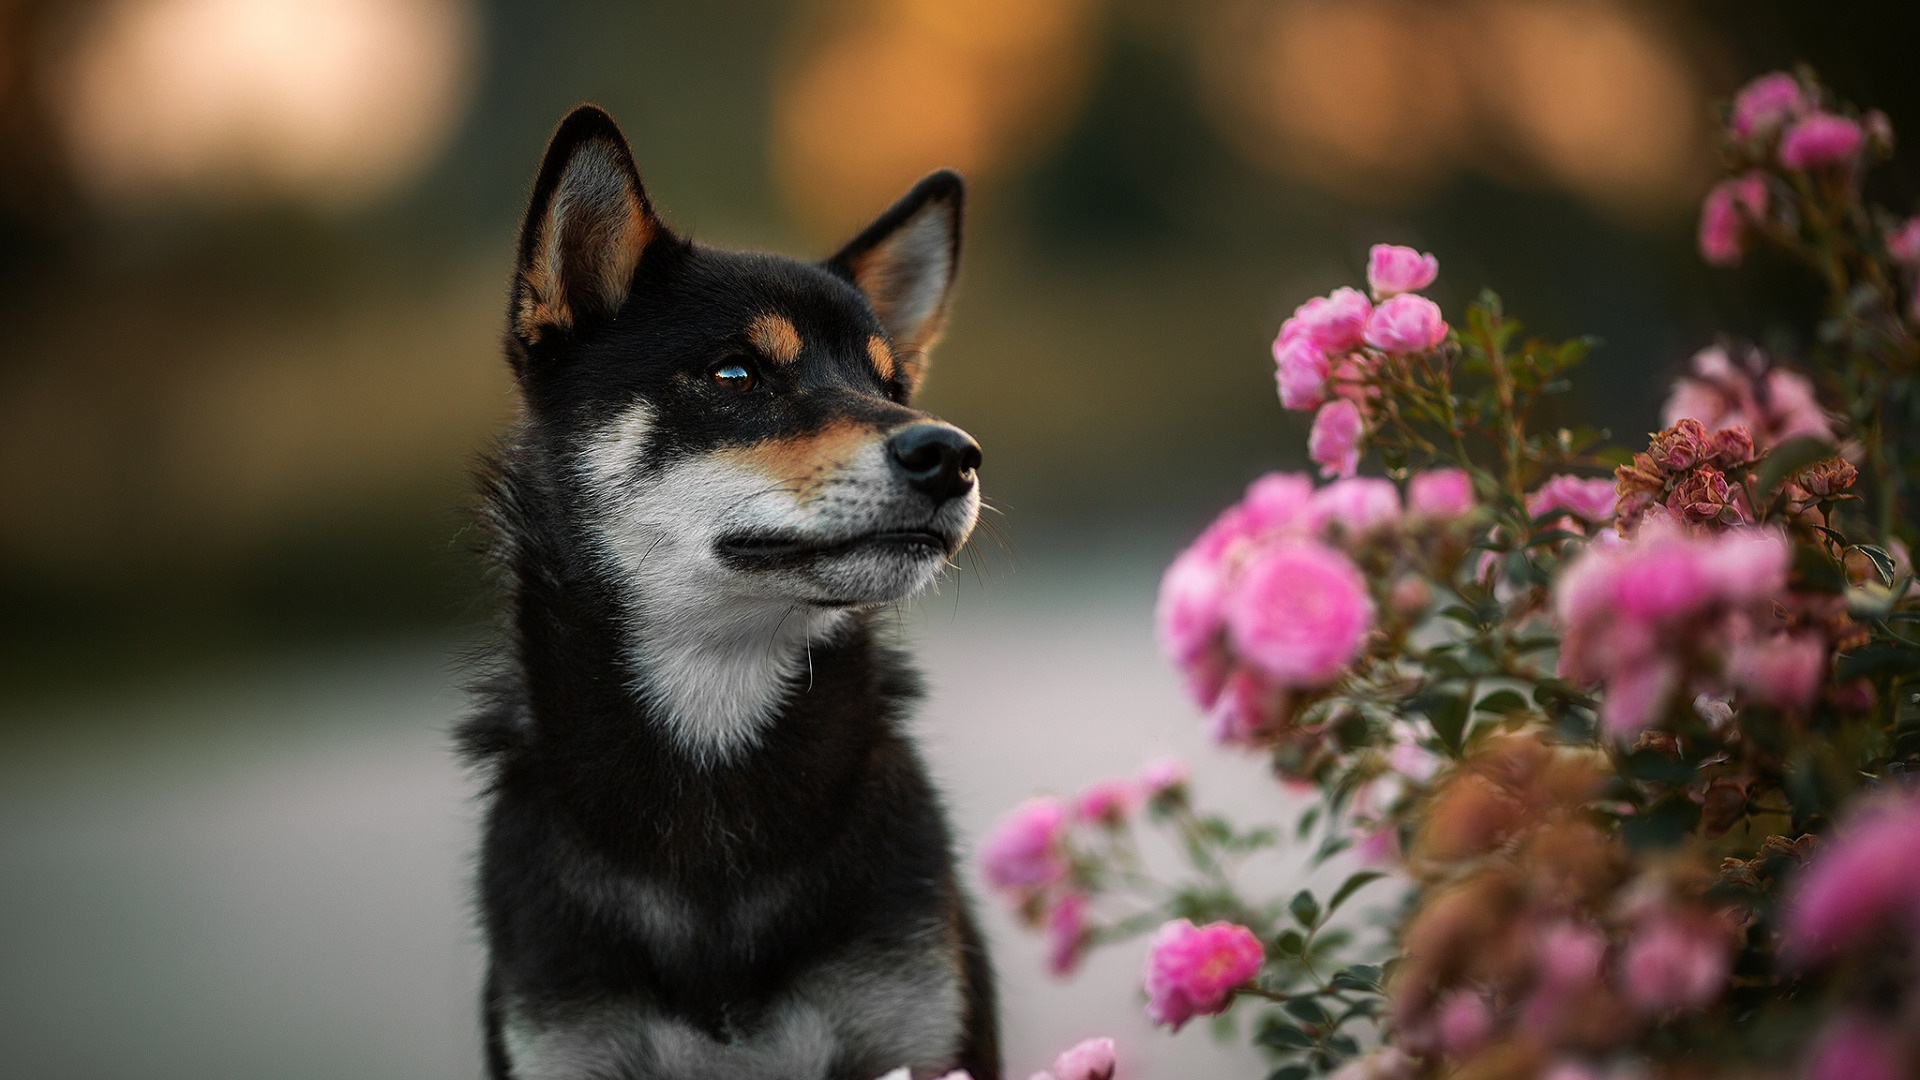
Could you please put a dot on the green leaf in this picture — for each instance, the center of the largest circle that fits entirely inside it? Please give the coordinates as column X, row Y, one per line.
column 1307, row 821
column 1357, row 977
column 1290, row 1072
column 1882, row 561
column 1305, row 909
column 1814, row 572
column 1654, row 766
column 1448, row 715
column 1367, row 1007
column 1786, row 460
column 1284, row 1036
column 1290, row 943
column 1503, row 703
column 1354, row 883
column 1329, row 941
column 1614, row 455
column 1662, row 825
column 1875, row 657
column 1463, row 615
column 1308, row 1010
column 1331, row 846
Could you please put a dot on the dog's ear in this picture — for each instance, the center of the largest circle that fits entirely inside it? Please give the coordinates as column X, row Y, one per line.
column 905, row 263
column 587, row 225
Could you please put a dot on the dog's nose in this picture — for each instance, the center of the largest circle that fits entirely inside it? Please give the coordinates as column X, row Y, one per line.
column 937, row 459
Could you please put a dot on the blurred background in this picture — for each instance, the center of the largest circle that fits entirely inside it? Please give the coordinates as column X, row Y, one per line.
column 253, row 257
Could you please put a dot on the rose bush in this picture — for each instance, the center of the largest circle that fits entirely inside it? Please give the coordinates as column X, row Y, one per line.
column 1631, row 727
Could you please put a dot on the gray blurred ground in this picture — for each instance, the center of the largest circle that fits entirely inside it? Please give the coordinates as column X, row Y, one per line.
column 264, row 875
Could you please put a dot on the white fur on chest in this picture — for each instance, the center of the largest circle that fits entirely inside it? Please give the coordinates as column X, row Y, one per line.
column 867, row 1011
column 714, row 661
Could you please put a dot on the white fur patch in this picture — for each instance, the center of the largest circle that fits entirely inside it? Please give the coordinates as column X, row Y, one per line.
column 717, row 651
column 867, row 1009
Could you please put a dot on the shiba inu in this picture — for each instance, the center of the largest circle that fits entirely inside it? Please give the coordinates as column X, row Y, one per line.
column 709, row 850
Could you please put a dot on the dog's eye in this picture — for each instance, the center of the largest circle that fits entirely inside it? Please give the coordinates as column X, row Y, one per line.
column 735, row 375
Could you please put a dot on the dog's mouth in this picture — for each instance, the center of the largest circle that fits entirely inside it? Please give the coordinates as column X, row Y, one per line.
column 767, row 551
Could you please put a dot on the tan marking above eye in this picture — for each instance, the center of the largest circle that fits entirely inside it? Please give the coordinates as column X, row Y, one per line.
column 801, row 464
column 774, row 337
column 882, row 357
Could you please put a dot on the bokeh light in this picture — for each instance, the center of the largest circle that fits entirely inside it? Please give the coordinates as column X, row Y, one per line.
column 1381, row 99
column 327, row 102
column 883, row 91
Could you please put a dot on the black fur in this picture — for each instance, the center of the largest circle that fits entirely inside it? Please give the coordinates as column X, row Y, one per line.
column 825, row 832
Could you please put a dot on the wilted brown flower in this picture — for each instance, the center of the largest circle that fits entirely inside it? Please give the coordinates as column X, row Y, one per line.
column 1724, row 801
column 1704, row 495
column 1681, row 446
column 1644, row 475
column 1730, row 448
column 1828, row 479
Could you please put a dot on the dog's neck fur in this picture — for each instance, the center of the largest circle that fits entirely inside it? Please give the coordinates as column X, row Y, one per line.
column 603, row 615
column 713, row 666
column 716, row 671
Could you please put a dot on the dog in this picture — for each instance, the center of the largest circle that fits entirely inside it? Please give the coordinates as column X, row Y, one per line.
column 708, row 848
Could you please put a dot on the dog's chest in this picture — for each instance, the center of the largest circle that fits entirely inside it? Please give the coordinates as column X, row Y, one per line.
column 858, row 1014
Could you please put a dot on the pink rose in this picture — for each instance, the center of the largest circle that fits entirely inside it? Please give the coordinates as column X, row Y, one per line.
column 1193, row 970
column 1663, row 576
column 1592, row 500
column 1299, row 613
column 1865, row 877
column 1675, row 963
column 1749, row 192
column 1334, row 323
column 1879, row 129
column 1820, row 139
column 1188, row 615
column 1853, row 1048
column 1784, row 671
column 1092, row 1059
column 1392, row 270
column 1637, row 695
column 1729, row 208
column 1440, row 494
column 1722, row 235
column 1247, row 700
column 1277, row 501
column 1903, row 243
column 1358, row 504
column 1463, row 1023
column 1414, row 762
column 1764, row 103
column 1567, row 959
column 1301, row 371
column 1067, row 933
column 1163, row 776
column 1406, row 324
column 1790, row 406
column 1107, row 802
column 1748, row 564
column 1334, row 442
column 1025, row 849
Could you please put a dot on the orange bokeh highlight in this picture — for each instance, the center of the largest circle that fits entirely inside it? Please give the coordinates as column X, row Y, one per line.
column 328, row 102
column 1379, row 99
column 884, row 91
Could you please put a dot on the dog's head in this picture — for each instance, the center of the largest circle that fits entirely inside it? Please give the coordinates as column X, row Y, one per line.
column 734, row 430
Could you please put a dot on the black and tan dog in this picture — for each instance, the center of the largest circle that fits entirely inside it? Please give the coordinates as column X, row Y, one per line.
column 709, row 849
